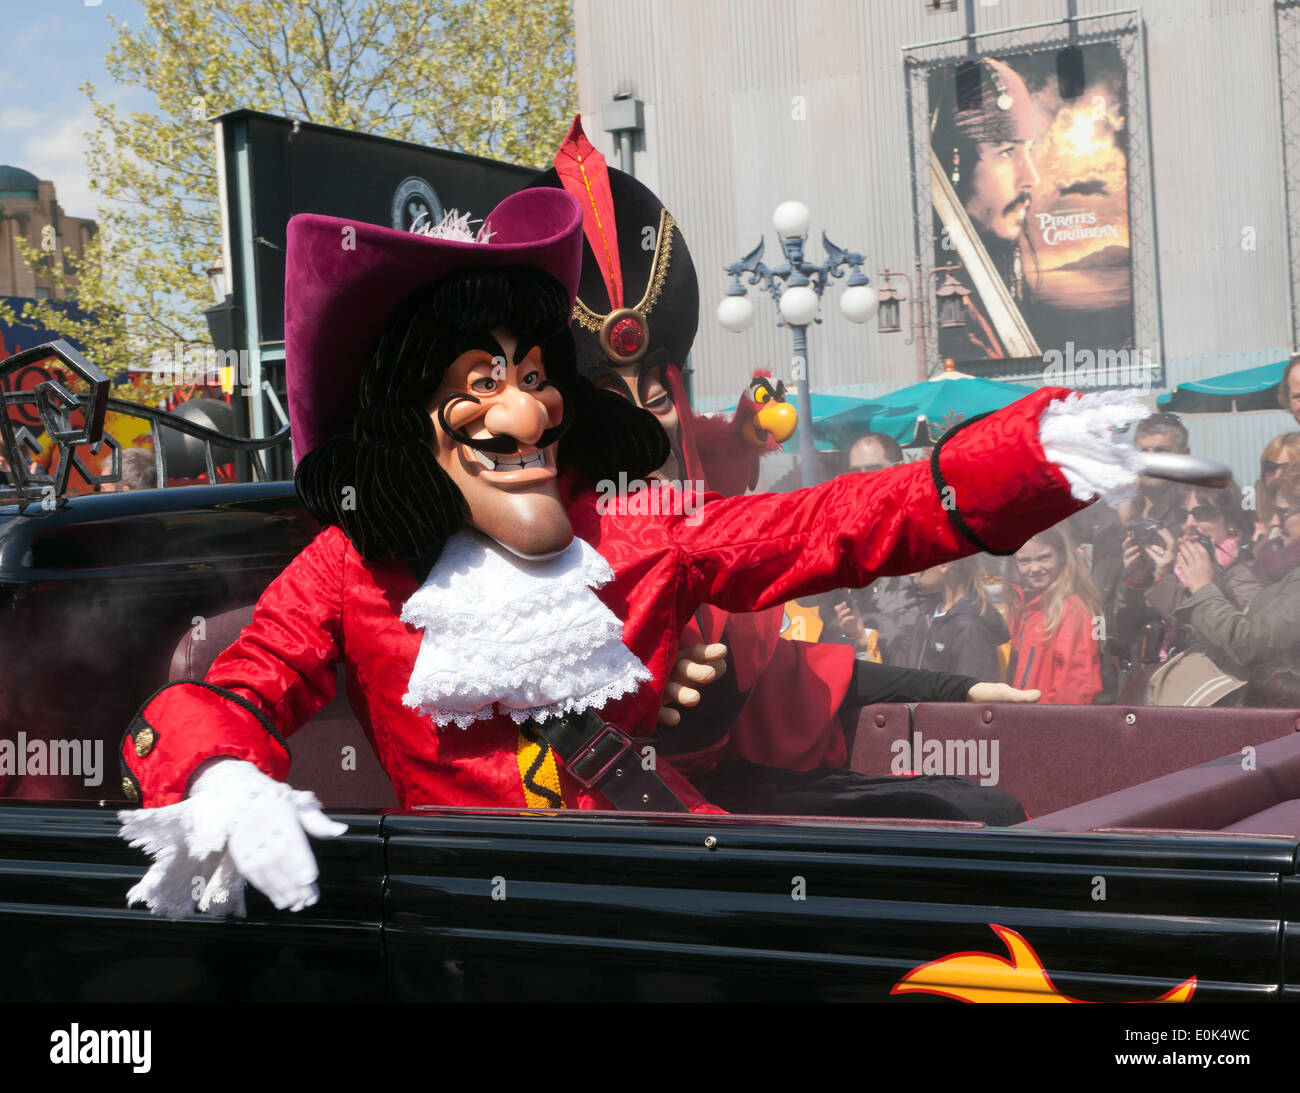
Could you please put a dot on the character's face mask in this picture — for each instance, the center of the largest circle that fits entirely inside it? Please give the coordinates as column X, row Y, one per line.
column 645, row 384
column 497, row 421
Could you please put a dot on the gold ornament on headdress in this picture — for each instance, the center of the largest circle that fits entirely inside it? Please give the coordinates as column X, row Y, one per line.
column 603, row 325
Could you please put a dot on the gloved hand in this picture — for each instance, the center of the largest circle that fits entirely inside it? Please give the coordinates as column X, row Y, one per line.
column 1087, row 437
column 270, row 851
column 695, row 665
column 236, row 824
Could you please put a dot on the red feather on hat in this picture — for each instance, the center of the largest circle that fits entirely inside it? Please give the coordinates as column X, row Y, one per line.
column 582, row 172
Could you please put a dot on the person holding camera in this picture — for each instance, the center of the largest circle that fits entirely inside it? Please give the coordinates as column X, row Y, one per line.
column 1242, row 638
column 1159, row 434
column 1155, row 581
column 1278, row 452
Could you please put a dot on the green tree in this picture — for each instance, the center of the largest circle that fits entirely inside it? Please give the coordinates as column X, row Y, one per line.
column 489, row 77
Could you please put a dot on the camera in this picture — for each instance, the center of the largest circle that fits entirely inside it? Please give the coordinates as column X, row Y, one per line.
column 1146, row 533
column 1205, row 541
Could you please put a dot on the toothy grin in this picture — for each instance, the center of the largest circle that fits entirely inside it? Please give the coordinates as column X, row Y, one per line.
column 509, row 462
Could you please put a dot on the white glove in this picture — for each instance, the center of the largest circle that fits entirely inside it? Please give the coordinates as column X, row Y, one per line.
column 236, row 824
column 1079, row 434
column 270, row 851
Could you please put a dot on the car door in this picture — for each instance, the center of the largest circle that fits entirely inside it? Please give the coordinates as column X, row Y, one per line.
column 618, row 907
column 67, row 935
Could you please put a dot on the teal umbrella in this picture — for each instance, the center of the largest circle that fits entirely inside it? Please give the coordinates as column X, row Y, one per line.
column 1249, row 389
column 920, row 414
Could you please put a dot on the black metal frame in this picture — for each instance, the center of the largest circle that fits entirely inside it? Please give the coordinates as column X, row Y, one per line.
column 1286, row 17
column 1126, row 30
column 55, row 405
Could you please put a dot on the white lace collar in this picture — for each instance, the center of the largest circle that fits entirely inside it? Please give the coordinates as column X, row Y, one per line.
column 528, row 636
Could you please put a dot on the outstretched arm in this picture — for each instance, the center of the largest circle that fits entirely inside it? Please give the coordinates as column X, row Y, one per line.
column 990, row 486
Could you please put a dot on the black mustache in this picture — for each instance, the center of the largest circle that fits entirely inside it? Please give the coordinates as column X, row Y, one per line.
column 502, row 445
column 1021, row 199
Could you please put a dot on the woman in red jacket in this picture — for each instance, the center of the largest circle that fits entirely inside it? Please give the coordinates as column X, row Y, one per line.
column 1054, row 610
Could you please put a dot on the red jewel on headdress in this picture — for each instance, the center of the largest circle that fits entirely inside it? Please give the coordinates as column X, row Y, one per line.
column 624, row 335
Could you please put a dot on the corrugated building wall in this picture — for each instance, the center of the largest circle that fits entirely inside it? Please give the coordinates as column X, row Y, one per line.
column 749, row 103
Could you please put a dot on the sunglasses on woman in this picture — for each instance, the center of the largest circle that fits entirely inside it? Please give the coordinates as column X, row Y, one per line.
column 1268, row 466
column 1285, row 514
column 1201, row 512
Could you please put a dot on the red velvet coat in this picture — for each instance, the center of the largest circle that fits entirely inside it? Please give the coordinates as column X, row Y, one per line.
column 794, row 689
column 744, row 554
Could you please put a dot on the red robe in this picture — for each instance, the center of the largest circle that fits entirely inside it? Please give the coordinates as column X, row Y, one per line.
column 740, row 554
column 794, row 689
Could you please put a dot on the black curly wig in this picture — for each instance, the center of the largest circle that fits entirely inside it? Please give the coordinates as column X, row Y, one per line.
column 380, row 481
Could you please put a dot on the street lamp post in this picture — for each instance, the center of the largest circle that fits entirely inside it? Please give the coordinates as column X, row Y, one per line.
column 951, row 295
column 797, row 285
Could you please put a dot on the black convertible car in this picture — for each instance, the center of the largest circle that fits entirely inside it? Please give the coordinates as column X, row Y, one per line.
column 1160, row 863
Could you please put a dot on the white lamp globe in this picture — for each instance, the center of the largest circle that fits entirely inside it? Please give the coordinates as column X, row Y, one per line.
column 799, row 305
column 736, row 313
column 858, row 303
column 791, row 219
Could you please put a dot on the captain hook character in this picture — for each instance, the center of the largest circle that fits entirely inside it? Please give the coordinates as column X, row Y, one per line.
column 506, row 636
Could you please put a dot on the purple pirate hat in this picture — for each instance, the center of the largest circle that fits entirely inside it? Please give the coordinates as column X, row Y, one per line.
column 344, row 281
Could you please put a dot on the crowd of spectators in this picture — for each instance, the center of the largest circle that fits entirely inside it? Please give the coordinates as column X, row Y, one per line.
column 1183, row 595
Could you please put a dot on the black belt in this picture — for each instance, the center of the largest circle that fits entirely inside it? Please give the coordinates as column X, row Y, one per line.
column 600, row 756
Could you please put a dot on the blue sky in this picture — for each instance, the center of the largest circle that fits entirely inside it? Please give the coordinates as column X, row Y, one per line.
column 51, row 47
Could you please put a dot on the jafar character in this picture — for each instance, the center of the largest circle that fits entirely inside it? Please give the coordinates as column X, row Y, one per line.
column 778, row 704
column 484, row 602
column 635, row 319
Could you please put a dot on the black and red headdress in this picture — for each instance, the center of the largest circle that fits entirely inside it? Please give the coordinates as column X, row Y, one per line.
column 638, row 298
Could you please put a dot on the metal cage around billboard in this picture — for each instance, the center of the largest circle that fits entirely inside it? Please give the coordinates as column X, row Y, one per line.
column 1123, row 29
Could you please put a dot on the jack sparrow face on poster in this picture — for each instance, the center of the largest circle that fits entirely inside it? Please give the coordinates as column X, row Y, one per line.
column 1030, row 186
column 1002, row 184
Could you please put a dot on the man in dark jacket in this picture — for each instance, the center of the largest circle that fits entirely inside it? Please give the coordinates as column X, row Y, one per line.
column 891, row 606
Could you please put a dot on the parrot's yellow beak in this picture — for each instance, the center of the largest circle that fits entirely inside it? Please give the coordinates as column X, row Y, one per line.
column 778, row 418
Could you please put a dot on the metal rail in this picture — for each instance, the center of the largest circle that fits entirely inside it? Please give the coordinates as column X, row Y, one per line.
column 55, row 405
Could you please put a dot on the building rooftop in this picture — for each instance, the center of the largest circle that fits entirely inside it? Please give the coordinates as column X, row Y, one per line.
column 15, row 182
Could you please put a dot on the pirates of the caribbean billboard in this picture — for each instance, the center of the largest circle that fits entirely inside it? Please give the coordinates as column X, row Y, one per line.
column 1029, row 184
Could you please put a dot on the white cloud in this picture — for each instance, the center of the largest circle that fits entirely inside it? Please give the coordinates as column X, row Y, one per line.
column 18, row 117
column 57, row 152
column 23, row 41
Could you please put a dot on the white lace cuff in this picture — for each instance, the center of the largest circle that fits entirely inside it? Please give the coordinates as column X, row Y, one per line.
column 1079, row 435
column 192, row 868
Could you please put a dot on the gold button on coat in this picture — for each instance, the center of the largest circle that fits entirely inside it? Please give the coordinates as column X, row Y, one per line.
column 129, row 791
column 144, row 741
